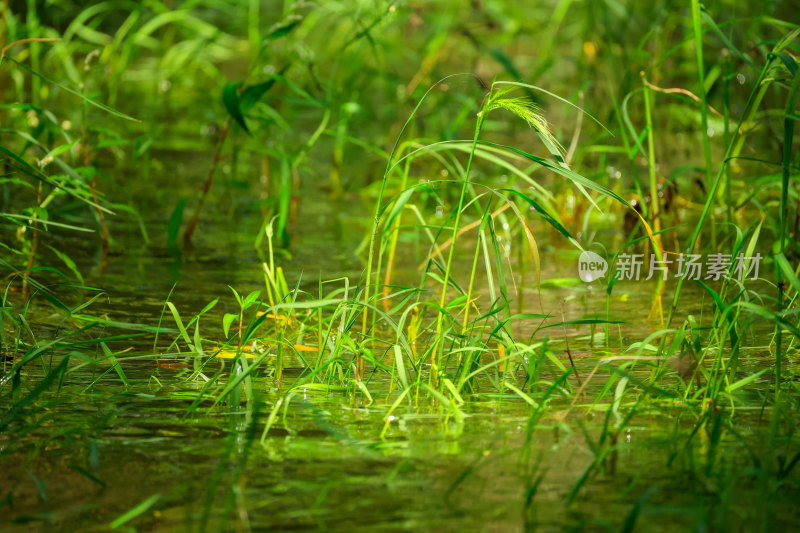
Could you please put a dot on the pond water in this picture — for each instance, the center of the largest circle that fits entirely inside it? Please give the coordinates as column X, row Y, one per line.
column 331, row 462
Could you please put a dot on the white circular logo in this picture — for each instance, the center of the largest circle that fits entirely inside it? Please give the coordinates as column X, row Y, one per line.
column 591, row 266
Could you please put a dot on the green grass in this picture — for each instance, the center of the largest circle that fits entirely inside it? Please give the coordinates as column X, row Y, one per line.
column 479, row 153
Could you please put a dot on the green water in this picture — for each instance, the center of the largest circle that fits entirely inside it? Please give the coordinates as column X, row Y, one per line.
column 99, row 448
column 113, row 417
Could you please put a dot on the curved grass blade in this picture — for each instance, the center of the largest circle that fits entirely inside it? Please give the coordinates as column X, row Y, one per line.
column 137, row 510
column 73, row 92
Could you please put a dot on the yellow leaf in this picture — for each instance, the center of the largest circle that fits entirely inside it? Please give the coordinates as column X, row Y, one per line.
column 230, row 354
column 304, row 348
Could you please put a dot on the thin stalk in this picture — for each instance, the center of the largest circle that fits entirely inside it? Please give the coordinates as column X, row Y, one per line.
column 190, row 227
column 87, row 162
column 3, row 31
column 395, row 231
column 468, row 303
column 32, row 25
column 253, row 33
column 451, row 252
column 727, row 135
column 698, row 38
column 569, row 353
column 733, row 148
column 788, row 136
column 34, row 244
column 338, row 155
column 655, row 206
column 377, row 215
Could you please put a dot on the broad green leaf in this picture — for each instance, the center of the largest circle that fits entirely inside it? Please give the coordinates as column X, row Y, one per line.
column 227, row 320
column 230, row 97
column 250, row 299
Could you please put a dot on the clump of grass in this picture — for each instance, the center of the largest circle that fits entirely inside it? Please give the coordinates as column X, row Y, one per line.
column 449, row 342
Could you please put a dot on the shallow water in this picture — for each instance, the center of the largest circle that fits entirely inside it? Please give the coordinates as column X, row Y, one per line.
column 323, row 464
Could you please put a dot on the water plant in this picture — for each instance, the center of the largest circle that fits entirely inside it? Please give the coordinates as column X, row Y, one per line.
column 382, row 207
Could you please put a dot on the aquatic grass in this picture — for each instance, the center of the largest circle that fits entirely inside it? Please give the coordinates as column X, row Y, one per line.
column 456, row 313
column 72, row 184
column 493, row 101
column 654, row 211
column 698, row 37
column 733, row 149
